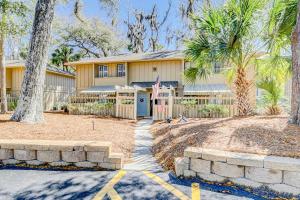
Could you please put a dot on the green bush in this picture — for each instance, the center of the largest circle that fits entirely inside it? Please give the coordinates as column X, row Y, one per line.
column 213, row 110
column 95, row 108
column 12, row 105
column 127, row 101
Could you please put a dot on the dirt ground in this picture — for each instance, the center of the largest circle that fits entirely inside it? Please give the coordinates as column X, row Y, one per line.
column 59, row 126
column 267, row 135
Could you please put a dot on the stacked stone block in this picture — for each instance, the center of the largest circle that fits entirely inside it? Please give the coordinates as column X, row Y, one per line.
column 82, row 154
column 281, row 174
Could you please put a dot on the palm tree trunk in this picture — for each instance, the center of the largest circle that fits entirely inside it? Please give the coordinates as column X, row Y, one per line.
column 30, row 104
column 242, row 88
column 295, row 103
column 3, row 98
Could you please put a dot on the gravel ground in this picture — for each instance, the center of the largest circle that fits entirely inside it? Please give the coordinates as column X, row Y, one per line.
column 59, row 126
column 267, row 135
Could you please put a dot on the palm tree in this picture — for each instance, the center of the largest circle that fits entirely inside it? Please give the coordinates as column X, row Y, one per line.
column 284, row 33
column 228, row 35
column 63, row 55
column 272, row 74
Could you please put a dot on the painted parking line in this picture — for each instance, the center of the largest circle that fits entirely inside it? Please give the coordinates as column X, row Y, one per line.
column 108, row 188
column 113, row 194
column 167, row 186
column 195, row 191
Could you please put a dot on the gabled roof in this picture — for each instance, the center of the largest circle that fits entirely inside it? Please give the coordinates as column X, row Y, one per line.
column 21, row 63
column 132, row 57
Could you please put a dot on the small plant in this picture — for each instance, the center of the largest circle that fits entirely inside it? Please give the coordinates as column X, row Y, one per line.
column 188, row 104
column 127, row 101
column 213, row 110
column 12, row 105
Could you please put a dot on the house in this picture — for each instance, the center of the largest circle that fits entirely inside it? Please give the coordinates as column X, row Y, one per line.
column 59, row 84
column 103, row 76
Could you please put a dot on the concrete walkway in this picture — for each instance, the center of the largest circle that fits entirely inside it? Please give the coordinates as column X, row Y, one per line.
column 142, row 156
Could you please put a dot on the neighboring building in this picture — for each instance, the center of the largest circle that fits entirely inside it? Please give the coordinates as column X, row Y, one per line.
column 59, row 84
column 103, row 75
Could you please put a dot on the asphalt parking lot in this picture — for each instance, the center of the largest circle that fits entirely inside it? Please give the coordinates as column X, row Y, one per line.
column 21, row 183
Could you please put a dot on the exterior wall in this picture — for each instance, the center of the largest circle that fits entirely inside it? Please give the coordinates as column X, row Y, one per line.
column 84, row 76
column 17, row 78
column 111, row 81
column 8, row 78
column 59, row 83
column 167, row 71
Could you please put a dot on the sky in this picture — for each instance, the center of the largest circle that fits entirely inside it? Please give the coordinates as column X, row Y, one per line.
column 92, row 8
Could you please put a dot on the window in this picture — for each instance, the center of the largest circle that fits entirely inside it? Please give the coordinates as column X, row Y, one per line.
column 103, row 71
column 217, row 68
column 121, row 70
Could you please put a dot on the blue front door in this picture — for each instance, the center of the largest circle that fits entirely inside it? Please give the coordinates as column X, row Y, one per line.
column 142, row 104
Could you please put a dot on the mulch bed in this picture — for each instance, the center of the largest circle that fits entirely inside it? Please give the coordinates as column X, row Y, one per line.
column 267, row 135
column 60, row 126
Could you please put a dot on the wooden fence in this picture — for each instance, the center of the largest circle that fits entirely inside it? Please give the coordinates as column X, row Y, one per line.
column 92, row 105
column 51, row 100
column 194, row 107
column 204, row 107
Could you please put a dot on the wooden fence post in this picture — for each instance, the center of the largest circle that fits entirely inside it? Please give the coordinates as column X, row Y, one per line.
column 170, row 105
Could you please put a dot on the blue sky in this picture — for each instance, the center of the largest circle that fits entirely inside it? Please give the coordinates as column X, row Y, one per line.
column 92, row 8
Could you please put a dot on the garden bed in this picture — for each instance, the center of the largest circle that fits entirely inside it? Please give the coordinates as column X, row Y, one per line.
column 60, row 126
column 266, row 135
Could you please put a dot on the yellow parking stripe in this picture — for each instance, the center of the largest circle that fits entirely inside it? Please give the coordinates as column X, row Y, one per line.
column 109, row 186
column 113, row 194
column 167, row 186
column 195, row 191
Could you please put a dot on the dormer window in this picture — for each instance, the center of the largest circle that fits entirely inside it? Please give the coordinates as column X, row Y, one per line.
column 103, row 71
column 120, row 70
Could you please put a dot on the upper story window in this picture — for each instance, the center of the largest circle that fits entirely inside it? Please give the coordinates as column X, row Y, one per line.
column 103, row 71
column 217, row 68
column 120, row 70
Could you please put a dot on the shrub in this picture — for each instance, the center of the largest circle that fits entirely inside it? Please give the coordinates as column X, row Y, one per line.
column 213, row 110
column 12, row 105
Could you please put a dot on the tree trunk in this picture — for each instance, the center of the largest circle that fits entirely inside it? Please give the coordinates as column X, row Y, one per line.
column 30, row 104
column 295, row 103
column 3, row 98
column 242, row 88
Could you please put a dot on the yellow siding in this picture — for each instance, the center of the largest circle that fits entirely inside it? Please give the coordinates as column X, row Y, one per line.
column 17, row 78
column 58, row 83
column 84, row 76
column 8, row 78
column 167, row 71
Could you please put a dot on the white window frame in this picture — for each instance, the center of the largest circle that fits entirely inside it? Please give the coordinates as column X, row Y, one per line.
column 102, row 71
column 120, row 70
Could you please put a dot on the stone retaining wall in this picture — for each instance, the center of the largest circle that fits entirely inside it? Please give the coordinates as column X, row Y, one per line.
column 81, row 154
column 281, row 174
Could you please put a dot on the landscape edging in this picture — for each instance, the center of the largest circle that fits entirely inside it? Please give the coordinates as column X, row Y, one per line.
column 281, row 174
column 54, row 153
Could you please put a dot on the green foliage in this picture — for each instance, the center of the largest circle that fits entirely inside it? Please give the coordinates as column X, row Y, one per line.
column 225, row 35
column 127, row 101
column 281, row 23
column 11, row 106
column 13, row 17
column 213, row 110
column 189, row 102
column 64, row 54
column 96, row 108
column 93, row 38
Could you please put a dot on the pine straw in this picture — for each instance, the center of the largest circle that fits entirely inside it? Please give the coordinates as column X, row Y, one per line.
column 59, row 126
column 266, row 135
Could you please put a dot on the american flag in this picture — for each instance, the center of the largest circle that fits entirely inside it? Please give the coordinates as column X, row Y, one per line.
column 155, row 89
